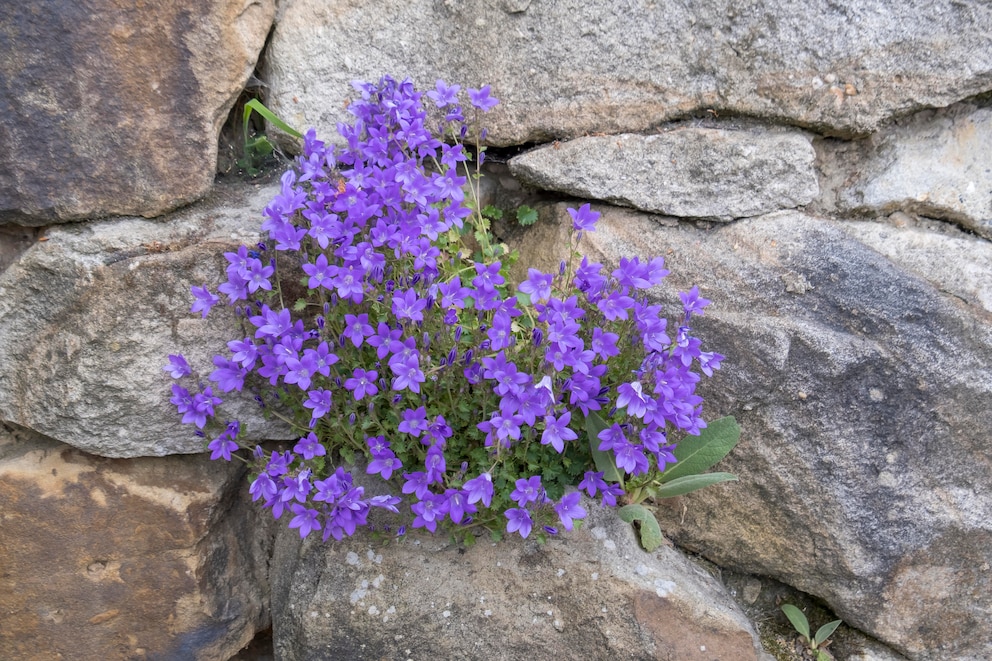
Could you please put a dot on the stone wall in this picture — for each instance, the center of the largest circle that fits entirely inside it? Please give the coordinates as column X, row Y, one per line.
column 822, row 170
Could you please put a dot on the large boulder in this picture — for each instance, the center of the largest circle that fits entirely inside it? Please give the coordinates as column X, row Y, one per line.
column 153, row 558
column 592, row 594
column 567, row 68
column 90, row 314
column 862, row 385
column 935, row 163
column 717, row 174
column 109, row 107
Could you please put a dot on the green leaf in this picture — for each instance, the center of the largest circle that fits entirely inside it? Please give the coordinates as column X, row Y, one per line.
column 689, row 483
column 799, row 621
column 526, row 215
column 695, row 454
column 489, row 211
column 523, row 299
column 257, row 106
column 604, row 460
column 649, row 528
column 299, row 305
column 824, row 632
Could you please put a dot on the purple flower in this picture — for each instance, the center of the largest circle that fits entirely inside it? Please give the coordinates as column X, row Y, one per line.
column 203, row 300
column 480, row 99
column 222, row 446
column 519, row 521
column 409, row 306
column 201, row 408
column 320, row 401
column 309, row 447
column 537, row 285
column 480, row 489
column 414, row 422
column 584, row 219
column 384, row 464
column 556, row 431
column 430, row 511
column 692, row 303
column 569, row 509
column 527, row 490
column 362, row 383
column 177, row 367
column 305, row 519
column 443, row 95
column 357, row 328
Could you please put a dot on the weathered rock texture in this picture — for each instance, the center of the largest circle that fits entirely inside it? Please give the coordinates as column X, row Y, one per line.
column 110, row 559
column 90, row 314
column 689, row 172
column 937, row 163
column 563, row 69
column 863, row 392
column 592, row 594
column 114, row 108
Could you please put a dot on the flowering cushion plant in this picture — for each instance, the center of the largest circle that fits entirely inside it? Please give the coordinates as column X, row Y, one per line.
column 380, row 323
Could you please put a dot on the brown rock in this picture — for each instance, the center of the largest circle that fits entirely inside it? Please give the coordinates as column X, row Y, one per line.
column 110, row 107
column 123, row 559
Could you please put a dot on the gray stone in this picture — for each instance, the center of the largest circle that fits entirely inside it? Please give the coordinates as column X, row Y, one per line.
column 936, row 163
column 90, row 315
column 149, row 558
column 864, row 474
column 689, row 172
column 568, row 68
column 590, row 594
column 115, row 108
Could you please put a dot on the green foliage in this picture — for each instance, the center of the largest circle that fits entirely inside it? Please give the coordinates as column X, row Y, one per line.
column 819, row 640
column 646, row 522
column 695, row 455
column 526, row 216
column 258, row 147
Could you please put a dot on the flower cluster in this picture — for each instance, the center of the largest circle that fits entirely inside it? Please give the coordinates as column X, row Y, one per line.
column 399, row 342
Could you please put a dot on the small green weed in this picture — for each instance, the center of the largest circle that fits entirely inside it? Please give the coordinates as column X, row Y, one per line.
column 819, row 641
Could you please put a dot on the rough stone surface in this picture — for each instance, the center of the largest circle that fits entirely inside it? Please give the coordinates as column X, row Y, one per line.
column 592, row 594
column 110, row 107
column 90, row 314
column 121, row 560
column 863, row 392
column 690, row 172
column 936, row 163
column 567, row 68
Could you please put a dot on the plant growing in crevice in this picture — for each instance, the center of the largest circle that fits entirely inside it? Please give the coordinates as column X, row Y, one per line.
column 377, row 320
column 819, row 641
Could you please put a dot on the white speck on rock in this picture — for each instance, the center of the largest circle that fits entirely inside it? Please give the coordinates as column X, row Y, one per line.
column 487, row 612
column 595, row 576
column 598, row 533
column 560, row 573
column 663, row 588
column 373, row 610
column 642, row 570
column 558, row 625
column 446, row 614
column 352, row 558
column 377, row 581
column 609, row 545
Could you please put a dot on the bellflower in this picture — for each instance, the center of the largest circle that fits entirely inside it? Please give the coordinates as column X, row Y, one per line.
column 380, row 321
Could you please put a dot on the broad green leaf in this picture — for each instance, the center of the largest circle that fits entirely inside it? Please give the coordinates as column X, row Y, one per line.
column 696, row 454
column 824, row 632
column 257, row 106
column 526, row 215
column 650, row 530
column 299, row 305
column 605, row 462
column 797, row 618
column 689, row 483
